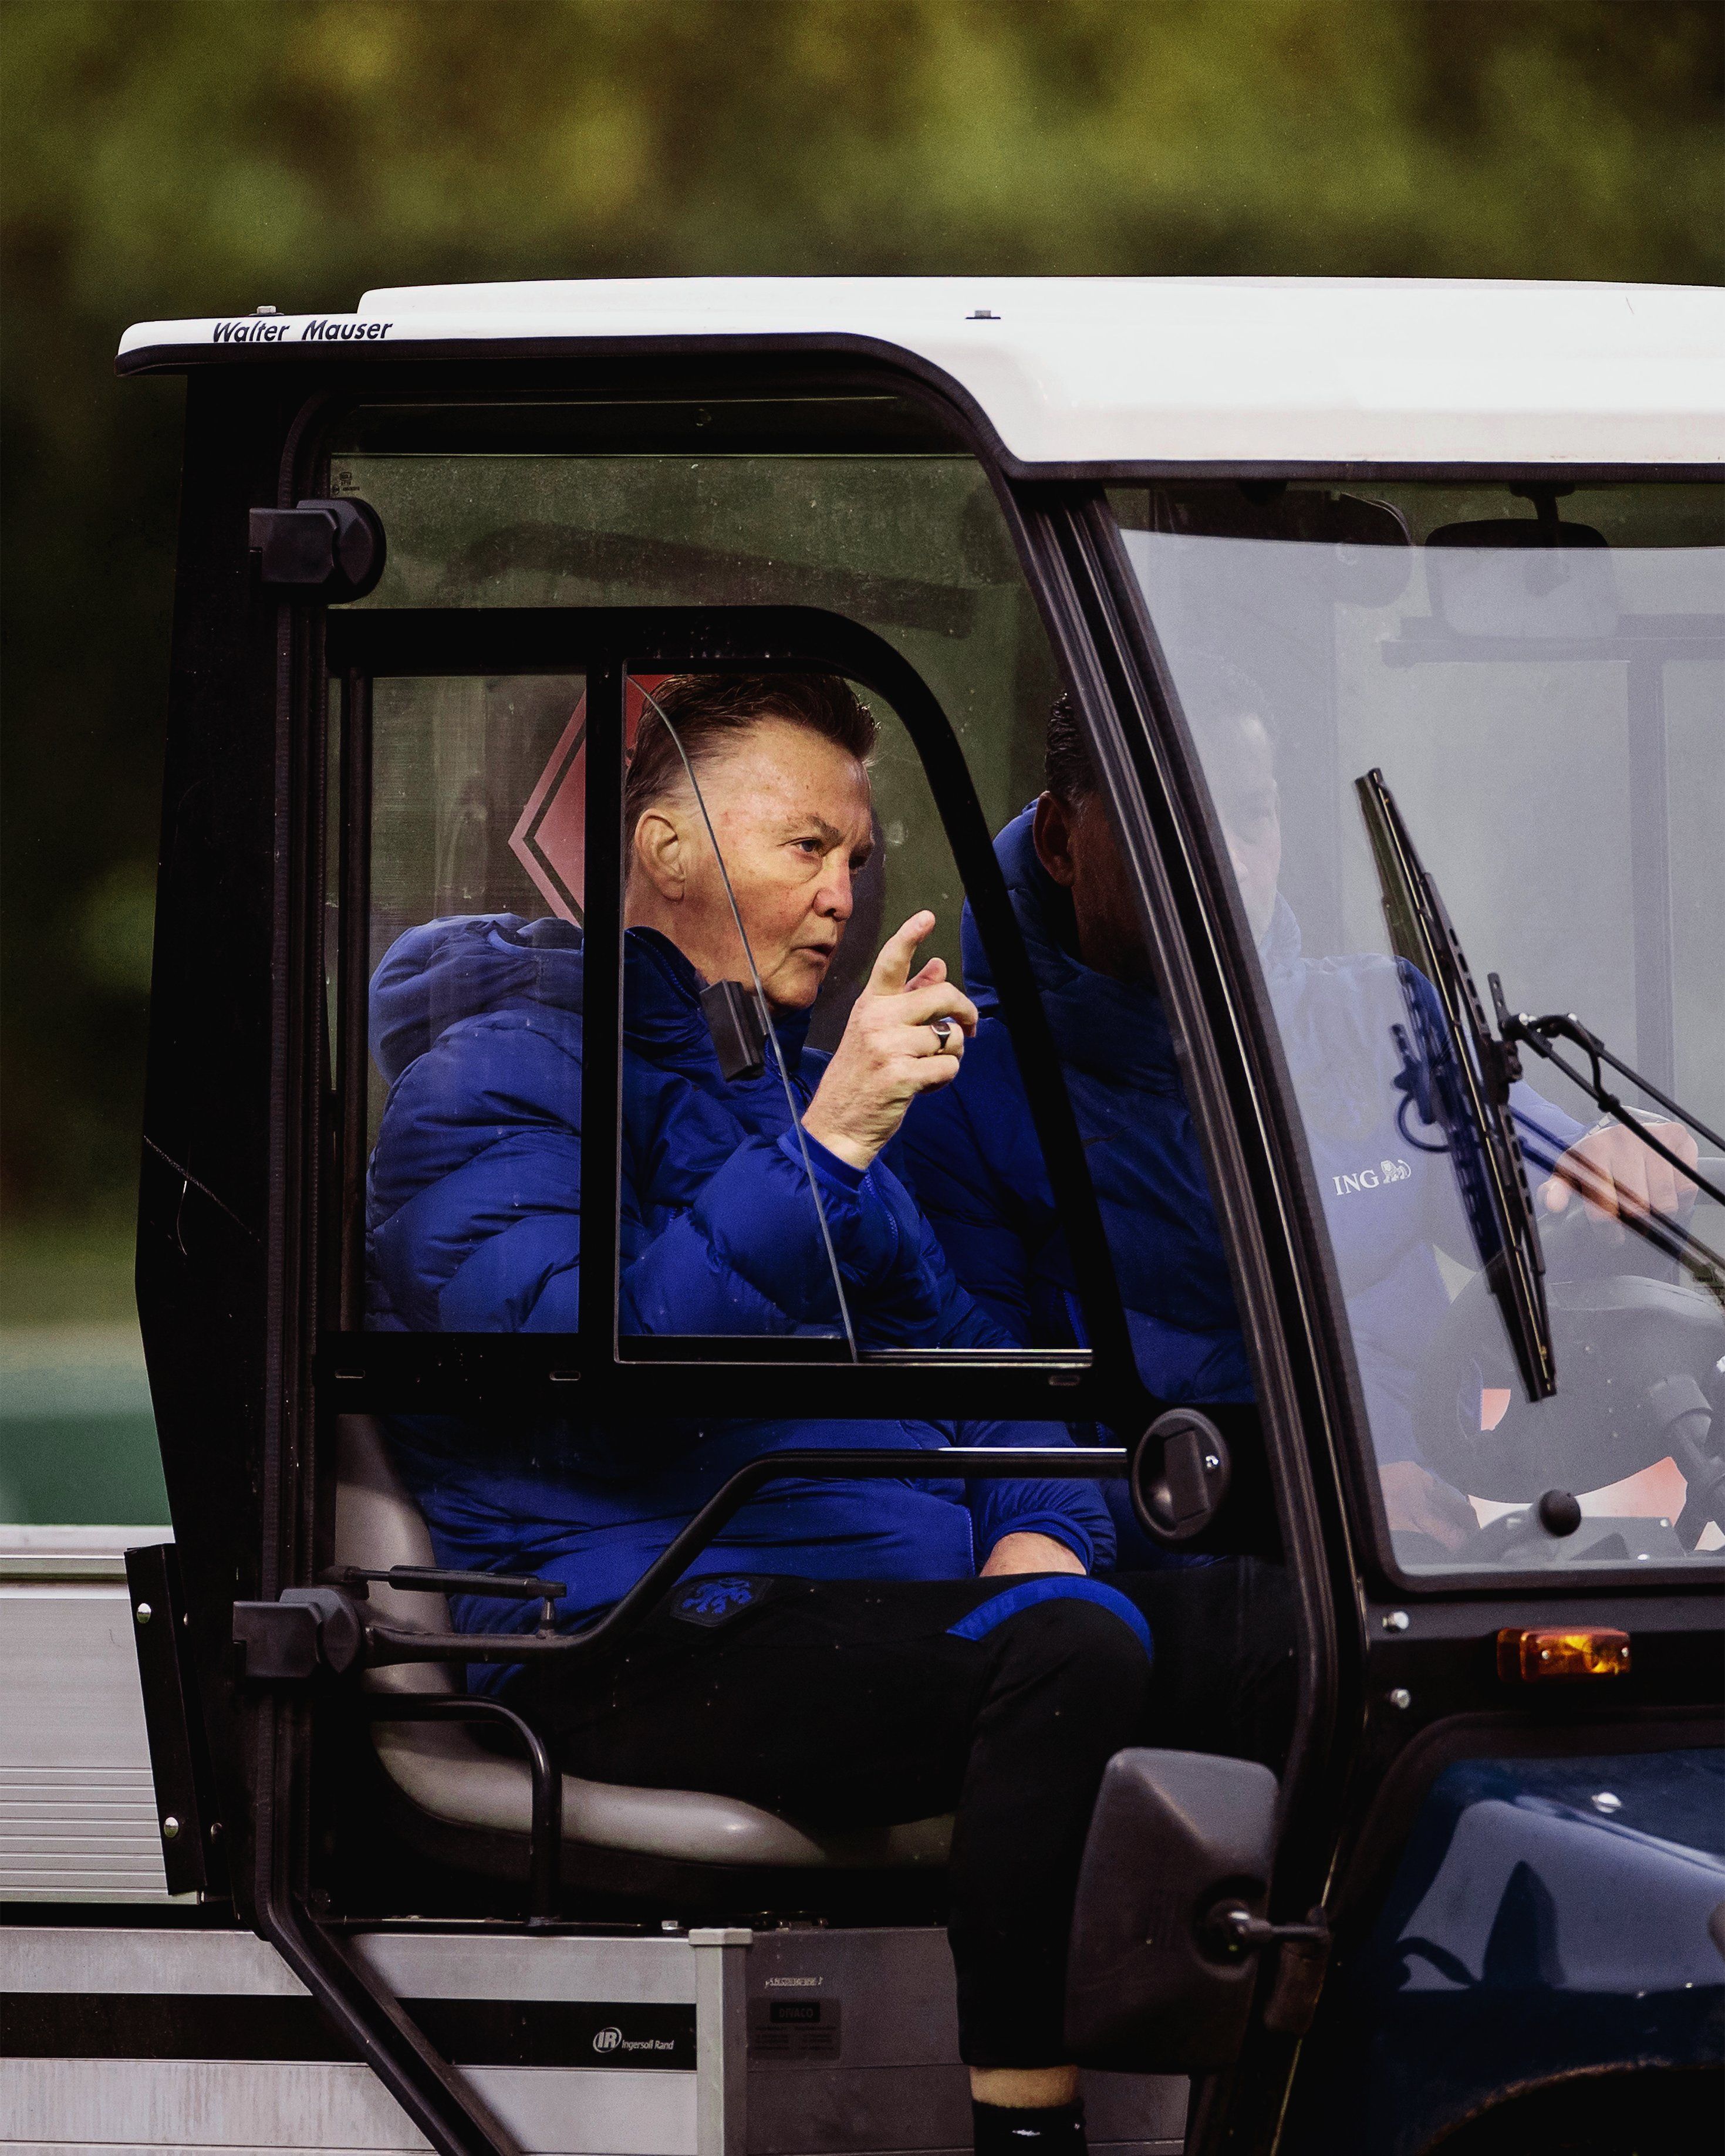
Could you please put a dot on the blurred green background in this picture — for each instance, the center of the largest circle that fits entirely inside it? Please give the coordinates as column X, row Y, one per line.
column 165, row 158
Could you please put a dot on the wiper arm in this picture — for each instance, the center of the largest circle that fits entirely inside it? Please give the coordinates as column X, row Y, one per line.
column 1518, row 1028
column 1471, row 1073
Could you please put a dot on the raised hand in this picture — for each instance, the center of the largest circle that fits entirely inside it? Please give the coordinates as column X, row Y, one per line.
column 904, row 1036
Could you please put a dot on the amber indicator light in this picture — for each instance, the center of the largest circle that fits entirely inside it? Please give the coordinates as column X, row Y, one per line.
column 1526, row 1657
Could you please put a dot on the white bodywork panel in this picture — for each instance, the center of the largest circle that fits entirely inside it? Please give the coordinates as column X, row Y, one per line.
column 77, row 1802
column 1110, row 370
column 885, row 2082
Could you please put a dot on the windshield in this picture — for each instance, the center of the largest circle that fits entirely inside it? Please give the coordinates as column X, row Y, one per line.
column 1520, row 692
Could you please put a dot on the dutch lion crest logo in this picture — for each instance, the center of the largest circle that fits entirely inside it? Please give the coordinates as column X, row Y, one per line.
column 711, row 1601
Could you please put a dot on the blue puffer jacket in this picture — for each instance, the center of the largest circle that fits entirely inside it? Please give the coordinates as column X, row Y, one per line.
column 971, row 1155
column 474, row 1215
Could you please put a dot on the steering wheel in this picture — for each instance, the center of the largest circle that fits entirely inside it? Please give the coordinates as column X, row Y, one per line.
column 1641, row 1363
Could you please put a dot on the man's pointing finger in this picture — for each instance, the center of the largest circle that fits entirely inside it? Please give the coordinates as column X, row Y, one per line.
column 892, row 968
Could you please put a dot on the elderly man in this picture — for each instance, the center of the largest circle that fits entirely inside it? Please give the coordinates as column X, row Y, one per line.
column 848, row 1652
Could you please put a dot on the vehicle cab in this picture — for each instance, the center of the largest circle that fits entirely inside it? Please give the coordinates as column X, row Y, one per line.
column 1392, row 619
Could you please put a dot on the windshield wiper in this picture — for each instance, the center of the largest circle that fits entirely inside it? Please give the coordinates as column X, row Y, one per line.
column 1518, row 1028
column 1470, row 1075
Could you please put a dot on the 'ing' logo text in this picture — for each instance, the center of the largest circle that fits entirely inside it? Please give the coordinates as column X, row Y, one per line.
column 1372, row 1178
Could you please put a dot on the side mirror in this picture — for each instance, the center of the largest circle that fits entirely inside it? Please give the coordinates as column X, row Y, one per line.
column 1170, row 1903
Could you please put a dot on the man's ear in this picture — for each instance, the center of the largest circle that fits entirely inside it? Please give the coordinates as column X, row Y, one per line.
column 1051, row 833
column 661, row 854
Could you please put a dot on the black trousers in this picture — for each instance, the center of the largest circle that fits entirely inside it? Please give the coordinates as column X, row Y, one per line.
column 852, row 1702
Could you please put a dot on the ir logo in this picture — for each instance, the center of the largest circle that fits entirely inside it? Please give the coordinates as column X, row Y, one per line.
column 606, row 2040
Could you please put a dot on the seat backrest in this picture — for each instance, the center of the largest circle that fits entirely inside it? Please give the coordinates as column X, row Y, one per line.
column 378, row 1524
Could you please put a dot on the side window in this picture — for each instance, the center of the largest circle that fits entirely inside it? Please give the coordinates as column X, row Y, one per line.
column 464, row 1004
column 463, row 1020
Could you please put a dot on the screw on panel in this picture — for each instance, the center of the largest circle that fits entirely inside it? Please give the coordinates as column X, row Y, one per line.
column 1400, row 1697
column 981, row 315
column 1396, row 1621
column 143, row 1613
column 266, row 310
column 1607, row 1802
column 170, row 1827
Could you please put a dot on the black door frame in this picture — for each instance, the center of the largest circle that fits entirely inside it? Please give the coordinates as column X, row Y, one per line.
column 1135, row 735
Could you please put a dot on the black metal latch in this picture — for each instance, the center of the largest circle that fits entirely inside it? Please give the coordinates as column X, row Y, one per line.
column 1231, row 1930
column 325, row 550
column 1231, row 1926
column 310, row 1628
column 357, row 1579
column 1179, row 1474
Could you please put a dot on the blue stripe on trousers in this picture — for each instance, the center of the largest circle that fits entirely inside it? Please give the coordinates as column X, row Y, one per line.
column 1064, row 1587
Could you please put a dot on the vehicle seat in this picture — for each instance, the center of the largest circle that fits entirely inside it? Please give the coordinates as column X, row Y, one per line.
column 446, row 1772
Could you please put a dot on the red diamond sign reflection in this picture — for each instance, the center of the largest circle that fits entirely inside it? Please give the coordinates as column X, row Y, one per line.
column 550, row 840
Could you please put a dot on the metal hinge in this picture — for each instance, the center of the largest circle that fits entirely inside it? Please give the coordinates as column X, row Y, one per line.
column 1303, row 1956
column 187, row 1812
column 310, row 1628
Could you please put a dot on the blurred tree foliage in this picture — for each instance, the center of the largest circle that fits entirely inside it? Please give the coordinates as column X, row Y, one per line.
column 164, row 158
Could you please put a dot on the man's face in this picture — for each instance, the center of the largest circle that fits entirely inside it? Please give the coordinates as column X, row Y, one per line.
column 1076, row 846
column 791, row 814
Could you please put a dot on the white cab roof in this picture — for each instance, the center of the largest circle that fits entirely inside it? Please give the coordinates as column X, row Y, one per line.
column 1096, row 372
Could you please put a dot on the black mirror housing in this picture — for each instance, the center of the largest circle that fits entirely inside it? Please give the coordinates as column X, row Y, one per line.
column 1154, row 1984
